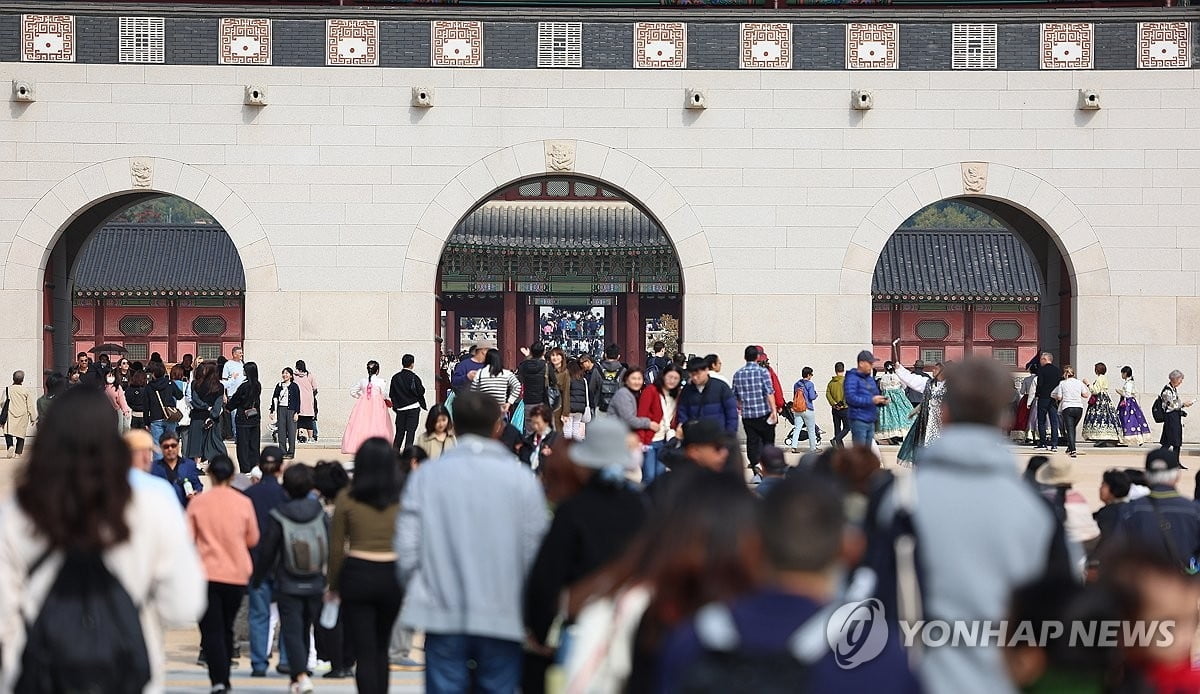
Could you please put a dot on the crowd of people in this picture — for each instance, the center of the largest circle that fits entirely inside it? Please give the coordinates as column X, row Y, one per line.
column 566, row 575
column 612, row 543
column 575, row 331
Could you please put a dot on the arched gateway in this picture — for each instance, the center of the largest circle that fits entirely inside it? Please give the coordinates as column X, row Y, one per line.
column 564, row 260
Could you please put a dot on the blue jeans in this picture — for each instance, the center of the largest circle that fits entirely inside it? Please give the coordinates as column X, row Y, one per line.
column 810, row 424
column 259, row 622
column 862, row 433
column 447, row 658
column 651, row 465
column 157, row 429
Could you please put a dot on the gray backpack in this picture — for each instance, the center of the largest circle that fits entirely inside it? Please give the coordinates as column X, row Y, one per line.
column 305, row 545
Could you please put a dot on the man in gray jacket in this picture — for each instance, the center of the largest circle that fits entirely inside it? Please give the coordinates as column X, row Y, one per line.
column 981, row 531
column 470, row 524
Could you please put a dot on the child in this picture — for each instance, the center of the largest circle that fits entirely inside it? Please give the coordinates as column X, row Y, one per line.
column 295, row 549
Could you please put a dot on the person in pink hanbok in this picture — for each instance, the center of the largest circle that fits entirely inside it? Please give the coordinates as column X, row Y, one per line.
column 371, row 415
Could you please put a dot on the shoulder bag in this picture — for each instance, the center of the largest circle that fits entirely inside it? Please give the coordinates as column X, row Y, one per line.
column 4, row 409
column 171, row 414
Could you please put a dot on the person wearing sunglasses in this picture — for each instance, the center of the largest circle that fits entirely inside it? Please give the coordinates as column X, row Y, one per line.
column 181, row 473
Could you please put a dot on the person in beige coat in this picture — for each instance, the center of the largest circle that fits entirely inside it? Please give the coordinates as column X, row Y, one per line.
column 138, row 531
column 21, row 414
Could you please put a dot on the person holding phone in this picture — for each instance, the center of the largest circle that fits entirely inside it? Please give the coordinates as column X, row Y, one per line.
column 864, row 399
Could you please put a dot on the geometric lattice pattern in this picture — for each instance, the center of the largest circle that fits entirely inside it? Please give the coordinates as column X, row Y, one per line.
column 1067, row 46
column 872, row 46
column 457, row 44
column 135, row 325
column 560, row 44
column 1164, row 44
column 766, row 46
column 142, row 40
column 209, row 325
column 660, row 45
column 974, row 47
column 48, row 38
column 352, row 42
column 245, row 41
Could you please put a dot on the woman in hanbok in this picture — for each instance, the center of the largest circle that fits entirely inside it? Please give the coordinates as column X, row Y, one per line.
column 894, row 420
column 371, row 415
column 927, row 426
column 1134, row 429
column 1026, row 413
column 1101, row 424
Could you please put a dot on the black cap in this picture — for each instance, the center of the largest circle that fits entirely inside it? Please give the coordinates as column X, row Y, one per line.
column 703, row 431
column 1162, row 460
column 697, row 363
column 272, row 453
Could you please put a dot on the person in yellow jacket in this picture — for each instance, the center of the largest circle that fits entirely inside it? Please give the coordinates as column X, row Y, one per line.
column 835, row 393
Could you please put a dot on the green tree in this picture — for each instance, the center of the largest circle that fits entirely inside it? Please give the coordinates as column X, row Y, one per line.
column 949, row 214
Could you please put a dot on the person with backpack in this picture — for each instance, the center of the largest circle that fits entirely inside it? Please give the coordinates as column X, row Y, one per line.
column 657, row 362
column 294, row 552
column 224, row 528
column 612, row 374
column 362, row 561
column 795, row 604
column 970, row 562
column 1164, row 520
column 1168, row 410
column 82, row 546
column 804, row 397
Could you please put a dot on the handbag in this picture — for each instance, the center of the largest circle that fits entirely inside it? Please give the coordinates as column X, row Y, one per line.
column 587, row 408
column 4, row 410
column 171, row 414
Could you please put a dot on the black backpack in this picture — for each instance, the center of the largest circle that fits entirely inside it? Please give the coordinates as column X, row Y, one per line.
column 610, row 383
column 87, row 636
column 1157, row 411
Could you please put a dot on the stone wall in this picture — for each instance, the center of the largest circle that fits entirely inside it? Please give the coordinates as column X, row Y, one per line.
column 778, row 196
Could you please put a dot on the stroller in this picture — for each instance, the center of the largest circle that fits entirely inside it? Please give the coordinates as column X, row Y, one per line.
column 799, row 431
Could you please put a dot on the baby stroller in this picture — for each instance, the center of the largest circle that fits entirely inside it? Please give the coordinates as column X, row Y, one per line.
column 799, row 431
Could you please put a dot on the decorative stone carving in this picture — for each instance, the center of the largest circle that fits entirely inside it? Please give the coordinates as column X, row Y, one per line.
column 560, row 155
column 142, row 172
column 974, row 175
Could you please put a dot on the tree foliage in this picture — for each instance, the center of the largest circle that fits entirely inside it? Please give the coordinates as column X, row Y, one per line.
column 949, row 214
column 168, row 209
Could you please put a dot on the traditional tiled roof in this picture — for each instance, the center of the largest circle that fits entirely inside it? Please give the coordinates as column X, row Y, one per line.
column 548, row 225
column 956, row 265
column 156, row 259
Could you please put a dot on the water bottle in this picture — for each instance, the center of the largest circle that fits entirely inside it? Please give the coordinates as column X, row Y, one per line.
column 188, row 488
column 329, row 614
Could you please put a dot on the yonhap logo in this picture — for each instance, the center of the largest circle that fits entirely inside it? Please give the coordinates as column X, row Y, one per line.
column 857, row 633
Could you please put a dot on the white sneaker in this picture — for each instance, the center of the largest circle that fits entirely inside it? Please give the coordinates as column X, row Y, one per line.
column 304, row 684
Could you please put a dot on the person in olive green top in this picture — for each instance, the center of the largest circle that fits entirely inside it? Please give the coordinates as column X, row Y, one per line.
column 362, row 561
column 835, row 393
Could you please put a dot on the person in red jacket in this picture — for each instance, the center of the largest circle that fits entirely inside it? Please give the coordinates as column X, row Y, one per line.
column 765, row 362
column 657, row 403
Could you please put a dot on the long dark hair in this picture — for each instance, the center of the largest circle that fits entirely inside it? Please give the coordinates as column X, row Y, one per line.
column 494, row 361
column 205, row 378
column 661, row 382
column 76, row 486
column 372, row 369
column 377, row 478
column 436, row 411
